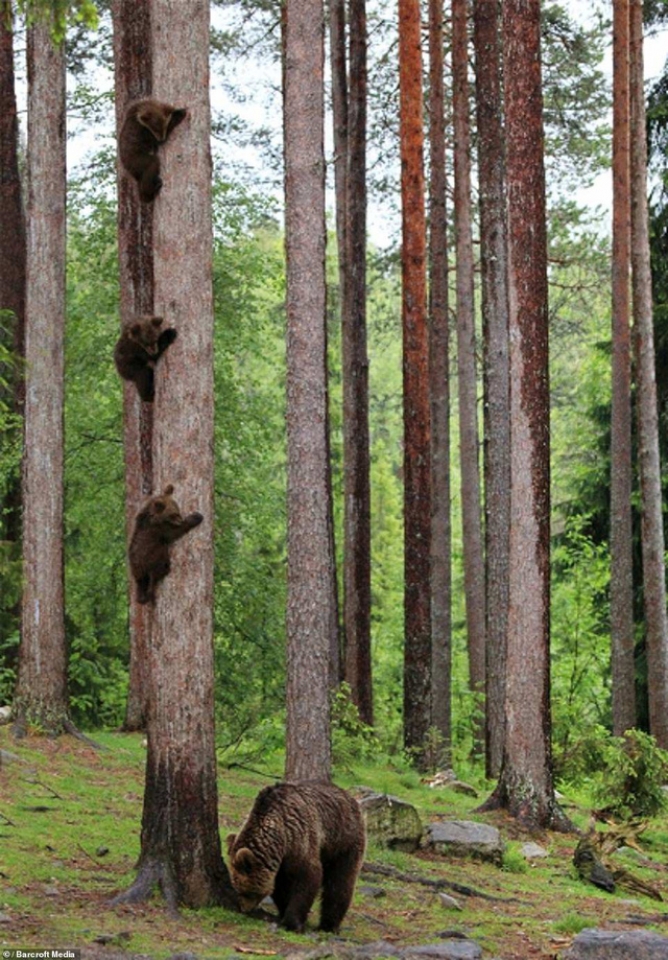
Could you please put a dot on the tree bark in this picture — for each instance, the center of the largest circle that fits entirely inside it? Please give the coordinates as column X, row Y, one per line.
column 357, row 494
column 474, row 567
column 496, row 374
column 417, row 434
column 621, row 475
column 132, row 59
column 654, row 582
column 41, row 691
column 310, row 560
column 525, row 786
column 180, row 843
column 439, row 387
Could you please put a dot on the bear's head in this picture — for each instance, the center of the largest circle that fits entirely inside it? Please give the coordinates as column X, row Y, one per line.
column 163, row 511
column 146, row 331
column 159, row 118
column 252, row 880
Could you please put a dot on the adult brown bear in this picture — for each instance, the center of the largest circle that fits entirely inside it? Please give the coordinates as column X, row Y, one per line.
column 299, row 838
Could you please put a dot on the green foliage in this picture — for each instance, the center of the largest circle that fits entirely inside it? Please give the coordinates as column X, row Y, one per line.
column 513, row 860
column 633, row 777
column 352, row 740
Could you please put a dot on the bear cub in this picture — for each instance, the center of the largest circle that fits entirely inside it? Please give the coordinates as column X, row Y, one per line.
column 157, row 525
column 299, row 838
column 139, row 347
column 147, row 124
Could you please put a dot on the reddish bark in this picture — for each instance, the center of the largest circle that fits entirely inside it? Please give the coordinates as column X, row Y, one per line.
column 132, row 56
column 621, row 476
column 439, row 386
column 653, row 547
column 357, row 493
column 494, row 255
column 474, row 567
column 41, row 692
column 180, row 842
column 310, row 613
column 417, row 436
column 525, row 785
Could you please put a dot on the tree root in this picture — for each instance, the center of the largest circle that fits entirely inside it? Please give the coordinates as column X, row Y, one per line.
column 152, row 873
column 378, row 869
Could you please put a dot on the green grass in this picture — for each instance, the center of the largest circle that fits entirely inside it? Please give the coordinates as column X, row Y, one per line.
column 62, row 803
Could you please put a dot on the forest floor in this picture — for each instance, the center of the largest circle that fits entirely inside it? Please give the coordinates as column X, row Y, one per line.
column 69, row 838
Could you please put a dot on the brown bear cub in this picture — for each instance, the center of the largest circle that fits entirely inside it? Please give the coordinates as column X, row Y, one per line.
column 139, row 347
column 157, row 525
column 147, row 124
column 299, row 838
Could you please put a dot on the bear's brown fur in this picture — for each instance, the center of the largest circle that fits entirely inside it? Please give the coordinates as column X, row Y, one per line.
column 299, row 838
column 138, row 349
column 147, row 124
column 157, row 525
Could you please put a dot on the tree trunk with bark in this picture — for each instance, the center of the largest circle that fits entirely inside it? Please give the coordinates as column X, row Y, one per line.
column 41, row 693
column 417, row 435
column 496, row 373
column 525, row 786
column 180, row 842
column 653, row 547
column 439, row 387
column 132, row 59
column 311, row 574
column 621, row 475
column 357, row 494
column 474, row 566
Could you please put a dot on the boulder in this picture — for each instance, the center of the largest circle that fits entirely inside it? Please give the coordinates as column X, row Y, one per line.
column 533, row 851
column 617, row 945
column 391, row 822
column 445, row 950
column 465, row 838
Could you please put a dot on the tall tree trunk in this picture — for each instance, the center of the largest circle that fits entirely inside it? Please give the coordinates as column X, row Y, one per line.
column 525, row 786
column 12, row 284
column 180, row 843
column 621, row 475
column 357, row 495
column 310, row 560
column 654, row 576
column 494, row 253
column 439, row 386
column 474, row 567
column 337, row 24
column 41, row 691
column 417, row 438
column 132, row 58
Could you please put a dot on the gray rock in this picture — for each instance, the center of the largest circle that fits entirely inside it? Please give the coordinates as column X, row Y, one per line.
column 533, row 851
column 374, row 892
column 5, row 918
column 460, row 786
column 449, row 902
column 446, row 950
column 617, row 945
column 391, row 822
column 462, row 838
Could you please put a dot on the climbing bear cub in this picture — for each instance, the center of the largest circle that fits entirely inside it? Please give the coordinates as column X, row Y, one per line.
column 147, row 124
column 299, row 838
column 157, row 525
column 139, row 347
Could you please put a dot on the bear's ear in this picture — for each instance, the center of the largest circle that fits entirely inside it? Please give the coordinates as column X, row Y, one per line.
column 156, row 321
column 245, row 861
column 231, row 837
column 135, row 329
column 168, row 491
